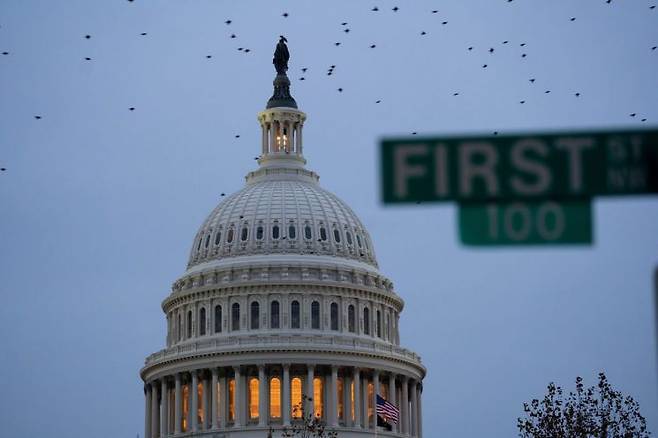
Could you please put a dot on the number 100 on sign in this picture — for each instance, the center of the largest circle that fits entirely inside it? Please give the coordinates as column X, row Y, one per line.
column 526, row 223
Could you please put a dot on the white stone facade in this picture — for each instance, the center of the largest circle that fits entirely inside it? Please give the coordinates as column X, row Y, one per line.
column 282, row 296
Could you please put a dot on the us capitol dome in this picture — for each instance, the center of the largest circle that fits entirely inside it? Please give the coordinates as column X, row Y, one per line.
column 282, row 298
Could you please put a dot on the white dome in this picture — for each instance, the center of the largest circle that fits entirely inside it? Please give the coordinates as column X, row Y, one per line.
column 282, row 212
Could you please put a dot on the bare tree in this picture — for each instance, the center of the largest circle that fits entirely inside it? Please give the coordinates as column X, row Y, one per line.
column 595, row 412
column 308, row 425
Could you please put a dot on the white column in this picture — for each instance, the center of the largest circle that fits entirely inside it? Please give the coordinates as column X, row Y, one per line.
column 285, row 408
column 264, row 138
column 263, row 396
column 299, row 138
column 414, row 409
column 194, row 419
column 273, row 145
column 375, row 387
column 164, row 414
column 206, row 403
column 237, row 397
column 347, row 399
column 332, row 410
column 310, row 408
column 357, row 397
column 420, row 409
column 223, row 406
column 391, row 398
column 214, row 399
column 178, row 404
column 155, row 411
column 405, row 405
column 147, row 411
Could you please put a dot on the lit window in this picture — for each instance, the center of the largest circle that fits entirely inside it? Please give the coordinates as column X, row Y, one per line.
column 296, row 397
column 334, row 316
column 235, row 317
column 189, row 324
column 275, row 232
column 371, row 390
column 231, row 399
column 318, row 399
column 202, row 321
column 350, row 318
column 199, row 412
column 255, row 310
column 253, row 398
column 229, row 237
column 218, row 237
column 218, row 319
column 186, row 406
column 259, row 233
column 336, row 235
column 274, row 315
column 348, row 235
column 245, row 234
column 294, row 315
column 323, row 234
column 341, row 397
column 307, row 232
column 366, row 321
column 292, row 232
column 275, row 397
column 315, row 315
column 352, row 400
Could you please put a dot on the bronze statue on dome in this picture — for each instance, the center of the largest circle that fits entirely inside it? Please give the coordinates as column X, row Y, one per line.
column 281, row 56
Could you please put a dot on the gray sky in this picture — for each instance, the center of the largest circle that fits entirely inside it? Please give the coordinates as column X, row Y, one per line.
column 99, row 204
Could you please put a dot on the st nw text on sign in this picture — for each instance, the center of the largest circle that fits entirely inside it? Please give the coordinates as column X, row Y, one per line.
column 534, row 166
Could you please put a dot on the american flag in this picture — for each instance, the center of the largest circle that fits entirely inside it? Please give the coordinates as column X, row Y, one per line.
column 387, row 410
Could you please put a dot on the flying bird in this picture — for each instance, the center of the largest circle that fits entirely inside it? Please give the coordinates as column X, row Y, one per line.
column 285, row 14
column 5, row 53
column 232, row 35
column 347, row 30
column 340, row 90
column 337, row 44
column 395, row 9
column 375, row 9
column 445, row 22
column 491, row 50
column 237, row 135
column 228, row 22
column 372, row 46
column 87, row 59
column 344, row 23
column 132, row 108
column 484, row 66
column 302, row 78
column 87, row 36
column 577, row 94
column 378, row 101
column 143, row 34
column 423, row 33
column 435, row 11
column 304, row 69
column 572, row 19
column 532, row 80
column 37, row 117
column 208, row 56
column 522, row 102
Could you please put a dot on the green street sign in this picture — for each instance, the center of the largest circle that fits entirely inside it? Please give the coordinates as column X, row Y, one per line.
column 526, row 223
column 570, row 165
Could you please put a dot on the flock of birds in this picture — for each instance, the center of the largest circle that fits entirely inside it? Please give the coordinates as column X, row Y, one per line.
column 346, row 30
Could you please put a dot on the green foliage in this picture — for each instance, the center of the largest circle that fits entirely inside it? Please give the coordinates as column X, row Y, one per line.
column 595, row 412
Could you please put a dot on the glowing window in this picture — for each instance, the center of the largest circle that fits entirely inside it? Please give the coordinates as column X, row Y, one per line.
column 218, row 318
column 275, row 232
column 350, row 318
column 294, row 315
column 292, row 232
column 336, row 235
column 296, row 397
column 253, row 398
column 274, row 315
column 245, row 234
column 371, row 390
column 255, row 310
column 315, row 315
column 202, row 321
column 366, row 321
column 235, row 317
column 318, row 399
column 341, row 398
column 307, row 232
column 199, row 412
column 334, row 316
column 323, row 234
column 352, row 401
column 348, row 235
column 186, row 406
column 229, row 237
column 231, row 399
column 218, row 237
column 275, row 397
column 189, row 324
column 259, row 233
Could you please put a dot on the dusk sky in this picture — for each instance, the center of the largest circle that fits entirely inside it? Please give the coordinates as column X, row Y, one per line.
column 99, row 204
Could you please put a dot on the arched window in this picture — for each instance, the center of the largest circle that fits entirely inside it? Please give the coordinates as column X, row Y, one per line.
column 323, row 234
column 318, row 405
column 275, row 232
column 315, row 315
column 255, row 310
column 218, row 318
column 259, row 233
column 292, row 232
column 296, row 397
column 218, row 237
column 275, row 398
column 274, row 314
column 308, row 234
column 350, row 318
column 379, row 324
column 336, row 235
column 235, row 317
column 202, row 321
column 388, row 326
column 294, row 315
column 198, row 247
column 180, row 327
column 189, row 324
column 253, row 398
column 334, row 316
column 207, row 240
column 229, row 237
column 245, row 234
column 348, row 235
column 366, row 321
column 358, row 240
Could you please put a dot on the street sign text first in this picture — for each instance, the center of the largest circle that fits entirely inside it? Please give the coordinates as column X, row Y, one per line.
column 573, row 165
